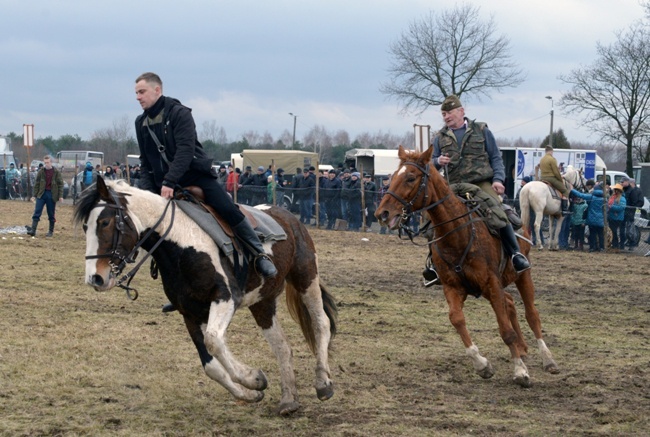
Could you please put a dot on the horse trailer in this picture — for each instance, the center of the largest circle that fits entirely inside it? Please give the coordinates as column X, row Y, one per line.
column 524, row 161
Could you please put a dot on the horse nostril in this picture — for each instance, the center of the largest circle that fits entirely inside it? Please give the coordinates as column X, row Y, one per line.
column 97, row 280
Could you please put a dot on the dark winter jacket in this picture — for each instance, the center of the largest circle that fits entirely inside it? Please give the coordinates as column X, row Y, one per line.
column 174, row 126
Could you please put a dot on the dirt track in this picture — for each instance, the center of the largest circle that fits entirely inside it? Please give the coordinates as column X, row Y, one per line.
column 70, row 357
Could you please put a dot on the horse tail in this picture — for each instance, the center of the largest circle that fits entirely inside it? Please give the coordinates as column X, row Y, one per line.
column 300, row 313
column 524, row 205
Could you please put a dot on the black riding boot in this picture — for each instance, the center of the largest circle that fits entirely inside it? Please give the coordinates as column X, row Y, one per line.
column 511, row 246
column 50, row 233
column 430, row 275
column 168, row 307
column 263, row 264
column 512, row 215
column 565, row 207
column 31, row 230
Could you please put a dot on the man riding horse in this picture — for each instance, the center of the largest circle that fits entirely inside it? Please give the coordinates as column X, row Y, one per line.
column 468, row 152
column 549, row 173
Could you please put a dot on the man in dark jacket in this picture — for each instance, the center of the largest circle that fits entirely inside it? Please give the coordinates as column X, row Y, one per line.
column 351, row 192
column 172, row 156
column 305, row 190
column 331, row 193
column 48, row 189
column 634, row 200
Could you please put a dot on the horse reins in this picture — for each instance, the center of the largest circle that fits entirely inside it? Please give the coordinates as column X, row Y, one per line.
column 407, row 212
column 121, row 218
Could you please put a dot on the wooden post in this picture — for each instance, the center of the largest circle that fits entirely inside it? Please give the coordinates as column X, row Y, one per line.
column 28, row 141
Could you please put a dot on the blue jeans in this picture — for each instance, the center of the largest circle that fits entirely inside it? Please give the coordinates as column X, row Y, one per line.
column 563, row 238
column 47, row 201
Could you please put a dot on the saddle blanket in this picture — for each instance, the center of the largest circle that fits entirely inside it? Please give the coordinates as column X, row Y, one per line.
column 267, row 229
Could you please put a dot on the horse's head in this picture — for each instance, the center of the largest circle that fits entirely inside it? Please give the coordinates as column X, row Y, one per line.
column 408, row 188
column 575, row 178
column 111, row 234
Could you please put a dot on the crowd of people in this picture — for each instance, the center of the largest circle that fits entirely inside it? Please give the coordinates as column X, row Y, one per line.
column 586, row 216
column 343, row 194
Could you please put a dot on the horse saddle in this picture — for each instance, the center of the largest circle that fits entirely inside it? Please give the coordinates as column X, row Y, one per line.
column 489, row 208
column 555, row 193
column 192, row 202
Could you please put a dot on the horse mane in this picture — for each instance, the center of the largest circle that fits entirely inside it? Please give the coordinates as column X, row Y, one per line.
column 85, row 204
column 88, row 200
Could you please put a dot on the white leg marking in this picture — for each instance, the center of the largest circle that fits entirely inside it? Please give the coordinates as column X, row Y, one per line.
column 215, row 340
column 479, row 361
column 282, row 350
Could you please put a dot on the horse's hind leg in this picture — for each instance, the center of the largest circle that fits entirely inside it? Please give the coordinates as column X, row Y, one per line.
column 510, row 334
column 215, row 370
column 221, row 314
column 264, row 313
column 457, row 319
column 527, row 291
column 512, row 315
column 320, row 328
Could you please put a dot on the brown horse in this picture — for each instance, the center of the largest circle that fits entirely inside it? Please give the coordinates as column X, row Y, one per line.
column 201, row 281
column 468, row 258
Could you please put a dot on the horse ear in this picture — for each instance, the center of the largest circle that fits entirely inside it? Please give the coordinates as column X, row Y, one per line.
column 402, row 153
column 426, row 155
column 102, row 189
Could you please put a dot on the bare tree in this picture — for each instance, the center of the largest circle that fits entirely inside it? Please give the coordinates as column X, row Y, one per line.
column 451, row 53
column 210, row 131
column 614, row 92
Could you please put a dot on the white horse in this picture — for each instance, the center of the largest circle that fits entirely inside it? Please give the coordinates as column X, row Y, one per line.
column 541, row 198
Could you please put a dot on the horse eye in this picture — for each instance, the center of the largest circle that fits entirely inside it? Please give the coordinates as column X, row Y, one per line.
column 85, row 227
column 104, row 223
column 410, row 178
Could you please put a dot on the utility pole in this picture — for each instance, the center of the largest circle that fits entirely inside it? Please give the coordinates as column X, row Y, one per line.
column 293, row 144
column 550, row 137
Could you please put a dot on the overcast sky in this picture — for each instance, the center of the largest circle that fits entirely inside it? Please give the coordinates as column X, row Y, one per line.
column 69, row 67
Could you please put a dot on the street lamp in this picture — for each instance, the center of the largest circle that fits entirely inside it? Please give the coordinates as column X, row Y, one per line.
column 293, row 144
column 550, row 137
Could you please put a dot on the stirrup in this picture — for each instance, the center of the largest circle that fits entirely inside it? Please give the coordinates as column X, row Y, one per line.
column 524, row 257
column 430, row 277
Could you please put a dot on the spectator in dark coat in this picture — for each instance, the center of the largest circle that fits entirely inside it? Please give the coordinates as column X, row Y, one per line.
column 634, row 200
column 258, row 185
column 351, row 192
column 370, row 194
column 244, row 195
column 305, row 190
column 331, row 193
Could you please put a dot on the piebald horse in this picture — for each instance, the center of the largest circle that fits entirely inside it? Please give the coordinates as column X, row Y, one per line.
column 199, row 280
column 468, row 258
column 539, row 196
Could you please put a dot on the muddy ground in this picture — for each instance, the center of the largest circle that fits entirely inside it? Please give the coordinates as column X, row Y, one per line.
column 77, row 362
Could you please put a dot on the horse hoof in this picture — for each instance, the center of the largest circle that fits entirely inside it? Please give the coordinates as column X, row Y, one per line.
column 324, row 393
column 552, row 368
column 288, row 408
column 486, row 372
column 259, row 397
column 523, row 381
column 261, row 381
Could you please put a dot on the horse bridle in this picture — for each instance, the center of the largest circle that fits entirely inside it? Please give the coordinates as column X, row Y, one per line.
column 407, row 207
column 118, row 258
column 407, row 212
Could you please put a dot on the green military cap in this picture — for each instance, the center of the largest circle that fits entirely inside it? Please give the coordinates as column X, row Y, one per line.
column 451, row 102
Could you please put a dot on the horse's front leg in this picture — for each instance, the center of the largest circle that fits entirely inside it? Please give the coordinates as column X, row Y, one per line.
column 215, row 370
column 221, row 313
column 455, row 302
